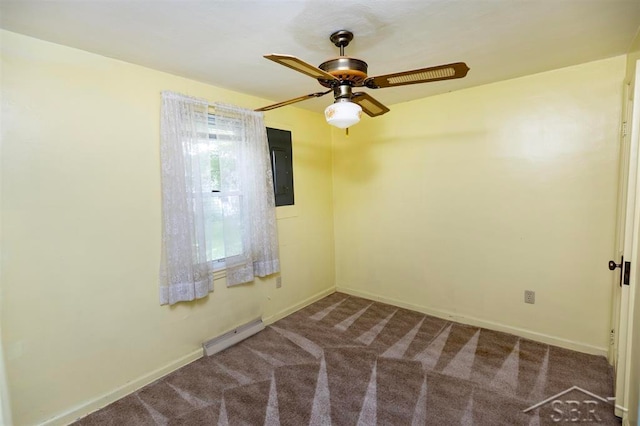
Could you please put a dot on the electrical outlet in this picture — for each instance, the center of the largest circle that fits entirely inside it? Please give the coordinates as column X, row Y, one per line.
column 529, row 296
column 278, row 282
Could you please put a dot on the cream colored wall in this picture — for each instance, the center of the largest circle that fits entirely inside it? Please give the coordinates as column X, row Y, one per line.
column 81, row 230
column 456, row 204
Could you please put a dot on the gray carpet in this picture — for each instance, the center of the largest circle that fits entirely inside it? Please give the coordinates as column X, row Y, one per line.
column 345, row 360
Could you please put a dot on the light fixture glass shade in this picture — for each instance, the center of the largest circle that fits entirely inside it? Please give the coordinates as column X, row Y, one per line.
column 343, row 114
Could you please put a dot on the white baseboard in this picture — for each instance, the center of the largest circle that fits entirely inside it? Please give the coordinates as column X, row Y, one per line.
column 112, row 396
column 288, row 311
column 451, row 316
column 95, row 404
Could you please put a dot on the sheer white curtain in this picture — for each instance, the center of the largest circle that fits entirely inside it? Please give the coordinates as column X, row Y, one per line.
column 245, row 141
column 218, row 206
column 184, row 140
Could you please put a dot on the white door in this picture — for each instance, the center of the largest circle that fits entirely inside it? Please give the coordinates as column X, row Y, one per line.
column 625, row 280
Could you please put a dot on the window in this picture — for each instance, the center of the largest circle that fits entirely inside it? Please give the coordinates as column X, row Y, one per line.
column 217, row 198
column 222, row 201
column 281, row 165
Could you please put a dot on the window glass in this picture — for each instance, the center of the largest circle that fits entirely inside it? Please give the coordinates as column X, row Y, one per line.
column 223, row 200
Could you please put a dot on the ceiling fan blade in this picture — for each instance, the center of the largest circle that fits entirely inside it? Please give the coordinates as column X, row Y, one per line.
column 423, row 75
column 369, row 104
column 294, row 100
column 300, row 66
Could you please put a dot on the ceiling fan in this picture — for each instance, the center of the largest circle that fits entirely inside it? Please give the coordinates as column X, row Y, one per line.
column 340, row 75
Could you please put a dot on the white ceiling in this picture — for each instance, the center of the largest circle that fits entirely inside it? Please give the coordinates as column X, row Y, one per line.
column 222, row 42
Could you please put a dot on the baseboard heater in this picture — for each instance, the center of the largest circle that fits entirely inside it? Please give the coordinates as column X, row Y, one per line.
column 232, row 337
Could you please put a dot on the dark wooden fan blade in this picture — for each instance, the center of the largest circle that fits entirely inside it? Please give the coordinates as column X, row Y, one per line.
column 369, row 105
column 423, row 75
column 300, row 66
column 294, row 100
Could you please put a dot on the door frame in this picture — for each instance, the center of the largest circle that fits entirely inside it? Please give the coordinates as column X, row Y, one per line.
column 627, row 244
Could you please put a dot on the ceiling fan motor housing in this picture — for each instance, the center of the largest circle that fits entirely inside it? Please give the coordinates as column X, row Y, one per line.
column 348, row 70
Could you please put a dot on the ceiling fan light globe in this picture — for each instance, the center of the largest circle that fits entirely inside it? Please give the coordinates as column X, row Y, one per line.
column 343, row 114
